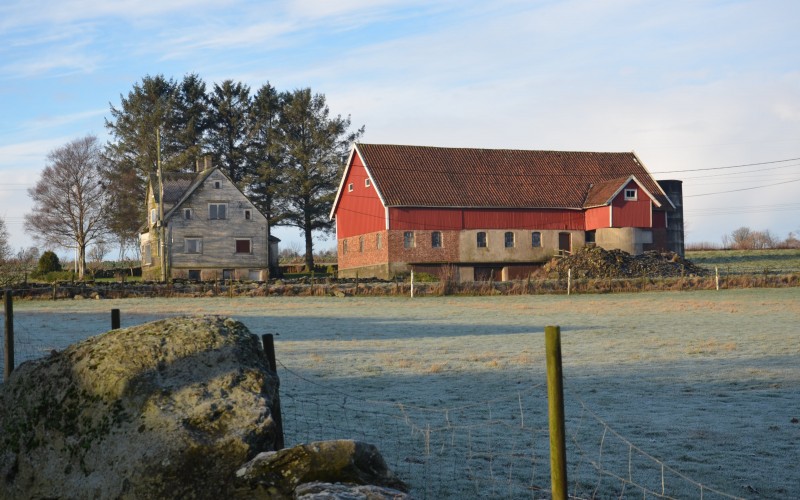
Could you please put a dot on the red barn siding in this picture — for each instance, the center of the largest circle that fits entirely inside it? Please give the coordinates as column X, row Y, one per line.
column 360, row 211
column 629, row 213
column 598, row 217
column 485, row 218
column 523, row 218
column 433, row 219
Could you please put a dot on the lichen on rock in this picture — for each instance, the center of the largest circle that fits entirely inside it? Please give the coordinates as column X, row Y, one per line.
column 166, row 409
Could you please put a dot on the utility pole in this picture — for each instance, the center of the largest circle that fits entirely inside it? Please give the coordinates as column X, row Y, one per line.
column 162, row 244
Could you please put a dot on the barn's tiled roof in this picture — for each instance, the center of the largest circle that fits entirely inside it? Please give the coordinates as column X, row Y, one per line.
column 465, row 177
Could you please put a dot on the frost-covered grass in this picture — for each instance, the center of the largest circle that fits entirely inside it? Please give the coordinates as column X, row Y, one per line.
column 748, row 261
column 452, row 389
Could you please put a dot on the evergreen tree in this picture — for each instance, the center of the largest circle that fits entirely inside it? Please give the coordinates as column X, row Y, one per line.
column 228, row 128
column 315, row 146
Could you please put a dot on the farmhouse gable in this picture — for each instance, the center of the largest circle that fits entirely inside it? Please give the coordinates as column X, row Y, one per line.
column 204, row 227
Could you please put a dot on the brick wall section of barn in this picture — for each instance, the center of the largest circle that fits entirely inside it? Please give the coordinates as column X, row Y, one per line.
column 371, row 255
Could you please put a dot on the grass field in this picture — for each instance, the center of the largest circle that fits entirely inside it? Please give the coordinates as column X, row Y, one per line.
column 674, row 393
column 748, row 261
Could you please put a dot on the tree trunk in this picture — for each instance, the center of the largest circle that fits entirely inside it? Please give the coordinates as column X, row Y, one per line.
column 81, row 260
column 309, row 247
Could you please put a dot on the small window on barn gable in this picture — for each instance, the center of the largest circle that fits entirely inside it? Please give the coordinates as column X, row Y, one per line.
column 366, row 182
column 350, row 187
column 630, row 194
column 481, row 240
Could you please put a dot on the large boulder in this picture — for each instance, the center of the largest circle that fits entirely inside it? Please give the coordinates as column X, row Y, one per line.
column 170, row 409
column 317, row 469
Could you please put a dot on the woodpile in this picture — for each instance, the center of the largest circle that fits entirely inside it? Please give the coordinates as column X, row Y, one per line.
column 596, row 262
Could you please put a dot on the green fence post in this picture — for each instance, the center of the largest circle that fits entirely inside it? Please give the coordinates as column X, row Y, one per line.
column 555, row 406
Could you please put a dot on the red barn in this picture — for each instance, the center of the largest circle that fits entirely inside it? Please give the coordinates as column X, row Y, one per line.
column 493, row 212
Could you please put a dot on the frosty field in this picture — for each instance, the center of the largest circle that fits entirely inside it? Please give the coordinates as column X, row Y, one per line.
column 668, row 394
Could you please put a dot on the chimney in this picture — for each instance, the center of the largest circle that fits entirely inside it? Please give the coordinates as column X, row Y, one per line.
column 207, row 160
column 197, row 164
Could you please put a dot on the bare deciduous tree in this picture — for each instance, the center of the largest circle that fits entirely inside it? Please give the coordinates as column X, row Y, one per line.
column 70, row 203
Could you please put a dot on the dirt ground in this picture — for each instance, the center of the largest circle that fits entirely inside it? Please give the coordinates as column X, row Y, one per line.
column 681, row 394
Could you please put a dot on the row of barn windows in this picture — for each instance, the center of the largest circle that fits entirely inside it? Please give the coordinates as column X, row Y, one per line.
column 350, row 186
column 481, row 241
column 409, row 240
column 216, row 211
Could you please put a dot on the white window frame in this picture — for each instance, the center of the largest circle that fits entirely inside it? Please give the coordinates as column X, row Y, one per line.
column 631, row 194
column 366, row 182
column 436, row 237
column 217, row 205
column 538, row 239
column 506, row 240
column 198, row 244
column 409, row 240
column 350, row 187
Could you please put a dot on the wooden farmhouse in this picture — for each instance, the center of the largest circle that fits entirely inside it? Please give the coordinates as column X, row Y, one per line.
column 493, row 213
column 210, row 229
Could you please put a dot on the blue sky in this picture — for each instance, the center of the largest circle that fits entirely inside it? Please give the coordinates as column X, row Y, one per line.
column 687, row 85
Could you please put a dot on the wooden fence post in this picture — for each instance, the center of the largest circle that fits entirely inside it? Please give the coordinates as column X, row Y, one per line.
column 412, row 283
column 115, row 319
column 569, row 280
column 716, row 276
column 555, row 406
column 9, row 337
column 269, row 348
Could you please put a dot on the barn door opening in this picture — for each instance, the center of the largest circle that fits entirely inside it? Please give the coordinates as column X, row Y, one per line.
column 565, row 243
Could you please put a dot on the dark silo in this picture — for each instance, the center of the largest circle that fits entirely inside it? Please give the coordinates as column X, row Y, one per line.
column 674, row 191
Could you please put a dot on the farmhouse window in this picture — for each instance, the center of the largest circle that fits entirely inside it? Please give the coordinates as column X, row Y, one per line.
column 361, row 244
column 481, row 239
column 366, row 182
column 247, row 215
column 194, row 274
column 436, row 239
column 187, row 213
column 217, row 184
column 536, row 239
column 378, row 240
column 350, row 187
column 217, row 210
column 193, row 245
column 408, row 239
column 509, row 239
column 630, row 194
column 243, row 246
column 147, row 255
